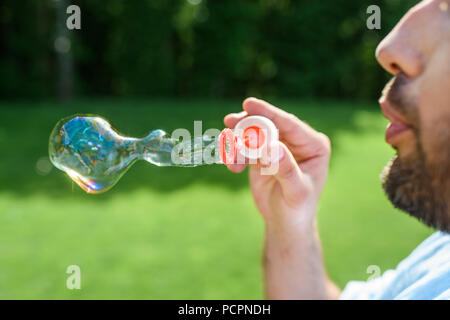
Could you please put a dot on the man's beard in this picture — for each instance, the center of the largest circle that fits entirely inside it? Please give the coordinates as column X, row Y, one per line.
column 419, row 183
column 410, row 187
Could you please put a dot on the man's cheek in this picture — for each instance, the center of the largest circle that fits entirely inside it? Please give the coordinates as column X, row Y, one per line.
column 435, row 139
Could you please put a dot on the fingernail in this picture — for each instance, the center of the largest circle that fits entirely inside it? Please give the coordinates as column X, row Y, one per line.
column 252, row 98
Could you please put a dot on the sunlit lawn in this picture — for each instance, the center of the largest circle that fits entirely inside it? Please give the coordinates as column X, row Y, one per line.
column 189, row 233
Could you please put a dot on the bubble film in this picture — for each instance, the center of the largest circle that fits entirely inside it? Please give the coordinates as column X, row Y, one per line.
column 95, row 156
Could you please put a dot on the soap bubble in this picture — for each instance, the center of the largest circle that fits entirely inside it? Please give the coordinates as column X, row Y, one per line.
column 43, row 166
column 95, row 156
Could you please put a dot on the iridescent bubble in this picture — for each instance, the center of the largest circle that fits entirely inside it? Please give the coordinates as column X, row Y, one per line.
column 43, row 166
column 95, row 156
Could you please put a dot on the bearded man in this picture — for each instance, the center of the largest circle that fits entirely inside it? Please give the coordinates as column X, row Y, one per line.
column 416, row 180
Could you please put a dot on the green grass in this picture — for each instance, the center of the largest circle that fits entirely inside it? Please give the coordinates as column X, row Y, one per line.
column 188, row 233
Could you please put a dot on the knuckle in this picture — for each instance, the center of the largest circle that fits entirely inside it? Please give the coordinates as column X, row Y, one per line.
column 292, row 117
column 325, row 142
column 292, row 122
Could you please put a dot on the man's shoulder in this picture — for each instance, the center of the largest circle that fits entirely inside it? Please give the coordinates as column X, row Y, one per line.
column 432, row 252
column 424, row 274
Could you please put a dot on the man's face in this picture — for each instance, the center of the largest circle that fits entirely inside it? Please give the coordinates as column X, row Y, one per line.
column 417, row 102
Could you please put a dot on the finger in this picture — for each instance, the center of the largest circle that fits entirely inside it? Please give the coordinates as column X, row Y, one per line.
column 237, row 168
column 232, row 119
column 291, row 129
column 289, row 175
column 270, row 156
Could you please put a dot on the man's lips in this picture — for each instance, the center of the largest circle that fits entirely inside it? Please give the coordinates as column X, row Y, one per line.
column 397, row 125
column 393, row 130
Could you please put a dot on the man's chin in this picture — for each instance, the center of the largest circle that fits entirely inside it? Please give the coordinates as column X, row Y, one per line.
column 410, row 189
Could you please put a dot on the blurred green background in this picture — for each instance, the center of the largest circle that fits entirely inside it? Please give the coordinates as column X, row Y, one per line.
column 190, row 233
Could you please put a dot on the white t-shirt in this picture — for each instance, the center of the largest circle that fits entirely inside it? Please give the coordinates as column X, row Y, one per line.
column 423, row 275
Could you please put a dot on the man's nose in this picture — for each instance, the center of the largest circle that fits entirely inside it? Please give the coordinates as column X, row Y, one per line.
column 398, row 53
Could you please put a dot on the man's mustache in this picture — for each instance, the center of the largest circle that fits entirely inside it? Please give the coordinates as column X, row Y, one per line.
column 394, row 92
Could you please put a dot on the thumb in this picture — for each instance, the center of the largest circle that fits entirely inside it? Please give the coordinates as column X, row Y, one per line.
column 287, row 172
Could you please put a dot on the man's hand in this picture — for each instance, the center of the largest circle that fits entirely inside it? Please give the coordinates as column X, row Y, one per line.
column 288, row 197
column 287, row 201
